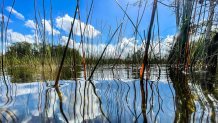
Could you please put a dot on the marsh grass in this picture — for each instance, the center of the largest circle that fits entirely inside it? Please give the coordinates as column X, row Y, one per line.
column 187, row 52
column 187, row 55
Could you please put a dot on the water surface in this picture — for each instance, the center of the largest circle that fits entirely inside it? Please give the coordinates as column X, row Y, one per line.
column 112, row 96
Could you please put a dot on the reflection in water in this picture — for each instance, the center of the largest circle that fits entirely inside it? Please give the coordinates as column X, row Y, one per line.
column 61, row 103
column 110, row 98
column 184, row 99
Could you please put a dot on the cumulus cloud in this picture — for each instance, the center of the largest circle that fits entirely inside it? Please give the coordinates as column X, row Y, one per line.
column 162, row 48
column 64, row 42
column 64, row 23
column 124, row 47
column 48, row 27
column 167, row 44
column 169, row 40
column 14, row 37
column 31, row 24
column 14, row 12
column 18, row 37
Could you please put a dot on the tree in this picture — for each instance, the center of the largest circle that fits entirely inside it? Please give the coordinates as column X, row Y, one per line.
column 19, row 49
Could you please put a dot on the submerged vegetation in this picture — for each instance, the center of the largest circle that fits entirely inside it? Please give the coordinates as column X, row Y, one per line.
column 75, row 72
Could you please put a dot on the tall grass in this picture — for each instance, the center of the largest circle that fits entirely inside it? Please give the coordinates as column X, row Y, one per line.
column 186, row 50
column 195, row 34
column 187, row 54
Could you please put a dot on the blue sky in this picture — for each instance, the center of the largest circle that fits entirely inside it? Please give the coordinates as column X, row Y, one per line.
column 105, row 13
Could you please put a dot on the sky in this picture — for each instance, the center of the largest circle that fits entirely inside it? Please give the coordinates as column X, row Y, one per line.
column 106, row 15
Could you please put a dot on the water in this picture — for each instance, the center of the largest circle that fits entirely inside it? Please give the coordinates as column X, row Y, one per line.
column 116, row 96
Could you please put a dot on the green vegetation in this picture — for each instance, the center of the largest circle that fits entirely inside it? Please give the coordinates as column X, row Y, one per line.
column 22, row 56
column 26, row 54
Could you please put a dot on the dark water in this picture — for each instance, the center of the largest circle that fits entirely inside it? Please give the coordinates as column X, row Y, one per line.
column 116, row 96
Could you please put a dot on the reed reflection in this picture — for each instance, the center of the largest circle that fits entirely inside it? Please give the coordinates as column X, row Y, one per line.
column 112, row 100
column 61, row 103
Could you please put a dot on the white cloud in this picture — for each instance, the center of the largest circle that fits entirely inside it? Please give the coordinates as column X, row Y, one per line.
column 64, row 42
column 167, row 44
column 18, row 37
column 64, row 23
column 122, row 49
column 126, row 46
column 169, row 40
column 48, row 27
column 113, row 50
column 30, row 24
column 17, row 14
column 163, row 47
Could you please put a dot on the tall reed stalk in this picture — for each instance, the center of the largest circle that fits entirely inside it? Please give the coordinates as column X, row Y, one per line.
column 145, row 60
column 66, row 47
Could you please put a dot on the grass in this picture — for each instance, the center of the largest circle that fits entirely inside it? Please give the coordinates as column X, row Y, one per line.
column 51, row 61
column 185, row 52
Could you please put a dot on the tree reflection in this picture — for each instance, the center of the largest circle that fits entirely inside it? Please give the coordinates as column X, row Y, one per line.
column 183, row 97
